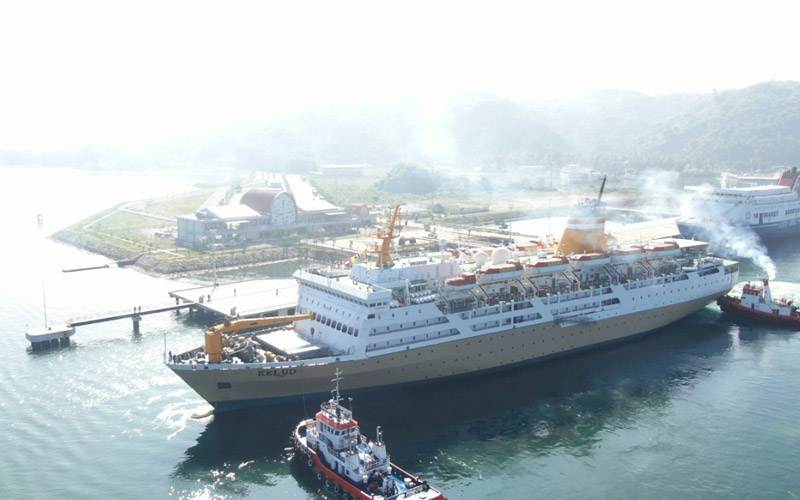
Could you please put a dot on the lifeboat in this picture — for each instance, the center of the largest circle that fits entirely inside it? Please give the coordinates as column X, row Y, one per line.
column 548, row 265
column 507, row 271
column 591, row 259
column 465, row 281
column 626, row 255
column 660, row 250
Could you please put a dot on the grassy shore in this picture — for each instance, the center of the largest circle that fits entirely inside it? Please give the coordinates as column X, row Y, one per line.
column 146, row 229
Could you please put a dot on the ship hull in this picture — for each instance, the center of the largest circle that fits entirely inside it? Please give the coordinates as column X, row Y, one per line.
column 228, row 388
column 766, row 232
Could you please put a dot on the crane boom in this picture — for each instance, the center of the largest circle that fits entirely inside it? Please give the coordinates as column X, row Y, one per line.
column 230, row 326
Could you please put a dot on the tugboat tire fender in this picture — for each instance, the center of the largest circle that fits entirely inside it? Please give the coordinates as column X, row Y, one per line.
column 336, row 488
column 345, row 496
column 310, row 463
column 319, row 476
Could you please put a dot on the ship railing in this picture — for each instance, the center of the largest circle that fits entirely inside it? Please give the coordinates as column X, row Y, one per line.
column 568, row 311
column 328, row 273
column 491, row 310
column 485, row 326
column 269, row 366
column 569, row 296
column 428, row 322
column 388, row 344
column 409, row 492
column 485, row 311
column 643, row 283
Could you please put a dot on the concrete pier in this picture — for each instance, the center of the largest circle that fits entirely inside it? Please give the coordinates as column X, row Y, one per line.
column 50, row 336
column 251, row 298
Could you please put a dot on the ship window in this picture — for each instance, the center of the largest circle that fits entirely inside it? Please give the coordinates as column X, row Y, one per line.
column 223, row 385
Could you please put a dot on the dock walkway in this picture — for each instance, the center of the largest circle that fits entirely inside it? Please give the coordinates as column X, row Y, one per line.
column 250, row 298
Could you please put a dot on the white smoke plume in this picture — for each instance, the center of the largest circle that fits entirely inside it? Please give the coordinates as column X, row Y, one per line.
column 742, row 242
column 725, row 238
column 658, row 190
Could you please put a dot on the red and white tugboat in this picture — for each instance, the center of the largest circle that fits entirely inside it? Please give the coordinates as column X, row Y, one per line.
column 756, row 303
column 334, row 448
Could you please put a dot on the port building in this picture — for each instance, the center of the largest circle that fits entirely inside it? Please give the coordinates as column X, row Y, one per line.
column 262, row 215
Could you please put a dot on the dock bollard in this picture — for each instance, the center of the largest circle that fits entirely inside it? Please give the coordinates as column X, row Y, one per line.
column 136, row 319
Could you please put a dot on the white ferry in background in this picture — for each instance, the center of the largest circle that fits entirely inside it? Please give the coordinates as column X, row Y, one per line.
column 771, row 211
column 398, row 322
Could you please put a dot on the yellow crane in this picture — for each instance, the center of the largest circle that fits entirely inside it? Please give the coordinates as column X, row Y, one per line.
column 214, row 340
column 386, row 235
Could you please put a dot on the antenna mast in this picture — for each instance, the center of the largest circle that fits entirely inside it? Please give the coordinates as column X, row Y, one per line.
column 602, row 186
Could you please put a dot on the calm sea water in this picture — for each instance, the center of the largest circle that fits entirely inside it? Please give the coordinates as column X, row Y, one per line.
column 707, row 408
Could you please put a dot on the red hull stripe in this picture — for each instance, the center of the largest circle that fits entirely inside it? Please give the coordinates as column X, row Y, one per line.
column 736, row 308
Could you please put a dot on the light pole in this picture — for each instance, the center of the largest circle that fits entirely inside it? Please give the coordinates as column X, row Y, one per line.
column 214, row 254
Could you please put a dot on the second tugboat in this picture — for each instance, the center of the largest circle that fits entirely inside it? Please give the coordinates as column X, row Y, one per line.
column 334, row 448
column 756, row 303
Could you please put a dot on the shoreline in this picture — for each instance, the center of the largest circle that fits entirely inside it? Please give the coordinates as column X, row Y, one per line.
column 148, row 263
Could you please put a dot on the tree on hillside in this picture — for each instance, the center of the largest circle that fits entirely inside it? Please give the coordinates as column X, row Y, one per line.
column 409, row 178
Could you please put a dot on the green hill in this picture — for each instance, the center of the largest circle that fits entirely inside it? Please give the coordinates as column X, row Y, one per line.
column 753, row 128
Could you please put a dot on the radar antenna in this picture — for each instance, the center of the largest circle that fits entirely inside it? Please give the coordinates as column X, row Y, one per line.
column 335, row 391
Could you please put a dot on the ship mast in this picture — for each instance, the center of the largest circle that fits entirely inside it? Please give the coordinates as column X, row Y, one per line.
column 602, row 186
column 386, row 235
column 335, row 391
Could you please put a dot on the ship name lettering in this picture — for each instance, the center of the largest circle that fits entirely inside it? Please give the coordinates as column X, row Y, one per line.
column 275, row 372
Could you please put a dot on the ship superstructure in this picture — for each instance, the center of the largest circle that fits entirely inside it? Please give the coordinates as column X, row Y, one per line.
column 399, row 321
column 772, row 211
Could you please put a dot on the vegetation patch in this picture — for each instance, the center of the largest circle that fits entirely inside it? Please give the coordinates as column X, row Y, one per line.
column 182, row 205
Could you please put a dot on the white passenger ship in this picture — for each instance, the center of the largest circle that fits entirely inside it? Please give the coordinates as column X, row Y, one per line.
column 396, row 322
column 772, row 212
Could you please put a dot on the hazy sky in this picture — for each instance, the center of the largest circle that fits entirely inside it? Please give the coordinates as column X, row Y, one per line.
column 76, row 72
